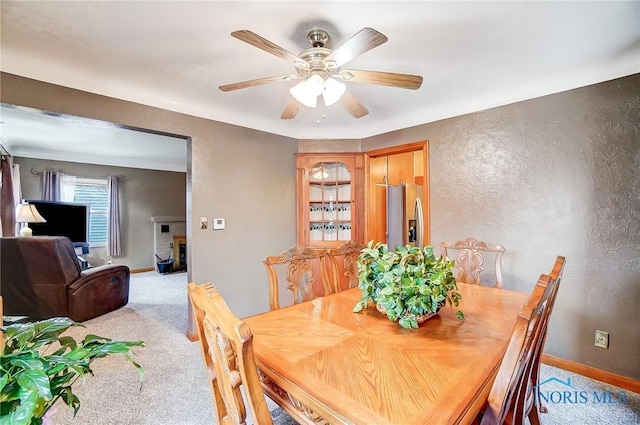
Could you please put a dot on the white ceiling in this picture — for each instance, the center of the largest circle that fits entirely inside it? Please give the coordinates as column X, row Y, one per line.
column 33, row 133
column 174, row 55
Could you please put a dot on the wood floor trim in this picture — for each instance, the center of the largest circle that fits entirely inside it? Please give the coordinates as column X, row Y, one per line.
column 148, row 269
column 192, row 336
column 610, row 378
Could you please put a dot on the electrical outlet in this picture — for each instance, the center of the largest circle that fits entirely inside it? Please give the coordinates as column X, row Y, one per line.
column 602, row 339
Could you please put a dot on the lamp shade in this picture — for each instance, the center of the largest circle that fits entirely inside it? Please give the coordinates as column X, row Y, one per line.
column 307, row 91
column 333, row 91
column 302, row 93
column 27, row 213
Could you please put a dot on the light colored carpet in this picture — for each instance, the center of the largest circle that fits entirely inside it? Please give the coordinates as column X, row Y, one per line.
column 586, row 402
column 175, row 389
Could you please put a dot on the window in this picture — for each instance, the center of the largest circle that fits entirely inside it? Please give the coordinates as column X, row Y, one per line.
column 95, row 193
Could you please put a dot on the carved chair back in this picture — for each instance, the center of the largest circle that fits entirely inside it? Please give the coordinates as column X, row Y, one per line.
column 301, row 269
column 510, row 398
column 227, row 350
column 341, row 266
column 470, row 260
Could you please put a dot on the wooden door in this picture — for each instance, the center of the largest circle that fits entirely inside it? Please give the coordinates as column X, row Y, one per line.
column 400, row 168
column 377, row 210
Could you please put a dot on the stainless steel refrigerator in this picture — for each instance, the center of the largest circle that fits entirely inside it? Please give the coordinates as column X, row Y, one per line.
column 405, row 219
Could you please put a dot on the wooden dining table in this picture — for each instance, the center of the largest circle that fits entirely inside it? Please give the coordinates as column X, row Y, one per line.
column 325, row 364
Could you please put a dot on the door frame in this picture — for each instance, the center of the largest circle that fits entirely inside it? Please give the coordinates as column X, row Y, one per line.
column 392, row 150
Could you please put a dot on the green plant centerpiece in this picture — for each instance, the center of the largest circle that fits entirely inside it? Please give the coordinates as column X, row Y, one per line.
column 38, row 367
column 407, row 284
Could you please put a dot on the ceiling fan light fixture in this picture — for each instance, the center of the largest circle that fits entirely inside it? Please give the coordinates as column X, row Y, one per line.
column 315, row 85
column 307, row 91
column 333, row 91
column 302, row 94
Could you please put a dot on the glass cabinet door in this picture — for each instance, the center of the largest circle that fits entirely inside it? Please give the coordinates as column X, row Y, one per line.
column 329, row 202
column 330, row 196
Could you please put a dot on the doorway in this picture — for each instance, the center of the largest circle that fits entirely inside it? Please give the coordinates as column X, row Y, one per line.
column 394, row 166
column 152, row 165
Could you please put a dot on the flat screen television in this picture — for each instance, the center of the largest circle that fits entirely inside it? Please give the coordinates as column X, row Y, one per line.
column 63, row 219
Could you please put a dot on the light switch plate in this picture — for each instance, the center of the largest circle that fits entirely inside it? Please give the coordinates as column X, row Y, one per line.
column 218, row 223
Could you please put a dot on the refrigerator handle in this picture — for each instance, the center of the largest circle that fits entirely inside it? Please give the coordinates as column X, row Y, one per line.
column 419, row 223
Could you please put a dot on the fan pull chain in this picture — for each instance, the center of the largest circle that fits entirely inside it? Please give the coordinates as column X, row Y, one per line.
column 322, row 115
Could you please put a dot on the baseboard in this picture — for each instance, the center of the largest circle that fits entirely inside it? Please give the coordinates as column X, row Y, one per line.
column 192, row 337
column 610, row 378
column 148, row 269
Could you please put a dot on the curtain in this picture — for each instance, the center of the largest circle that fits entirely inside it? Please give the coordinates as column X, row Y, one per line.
column 7, row 203
column 17, row 190
column 67, row 187
column 51, row 183
column 114, row 246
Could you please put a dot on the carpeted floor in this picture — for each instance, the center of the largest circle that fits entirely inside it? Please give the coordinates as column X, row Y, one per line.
column 175, row 389
column 577, row 400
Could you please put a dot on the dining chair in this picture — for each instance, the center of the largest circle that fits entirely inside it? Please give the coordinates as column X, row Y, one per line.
column 301, row 268
column 226, row 344
column 510, row 399
column 534, row 370
column 470, row 259
column 340, row 266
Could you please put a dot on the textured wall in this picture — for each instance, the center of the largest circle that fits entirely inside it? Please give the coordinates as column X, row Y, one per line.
column 334, row 145
column 144, row 193
column 557, row 175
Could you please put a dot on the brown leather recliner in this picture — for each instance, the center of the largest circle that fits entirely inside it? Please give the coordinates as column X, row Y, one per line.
column 41, row 277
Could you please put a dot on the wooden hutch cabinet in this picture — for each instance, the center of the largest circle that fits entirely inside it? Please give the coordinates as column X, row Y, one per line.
column 330, row 199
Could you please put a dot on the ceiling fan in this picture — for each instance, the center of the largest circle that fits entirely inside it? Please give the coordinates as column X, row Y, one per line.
column 320, row 69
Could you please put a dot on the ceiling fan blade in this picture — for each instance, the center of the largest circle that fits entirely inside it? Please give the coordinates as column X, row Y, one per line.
column 363, row 41
column 352, row 105
column 257, row 82
column 291, row 110
column 404, row 81
column 266, row 45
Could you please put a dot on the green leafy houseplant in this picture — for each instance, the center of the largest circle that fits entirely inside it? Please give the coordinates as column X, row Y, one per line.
column 406, row 283
column 32, row 379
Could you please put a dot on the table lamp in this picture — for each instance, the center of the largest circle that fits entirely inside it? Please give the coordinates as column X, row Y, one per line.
column 27, row 213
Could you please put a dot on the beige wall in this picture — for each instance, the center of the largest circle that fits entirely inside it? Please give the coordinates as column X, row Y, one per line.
column 323, row 145
column 144, row 193
column 242, row 175
column 557, row 175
